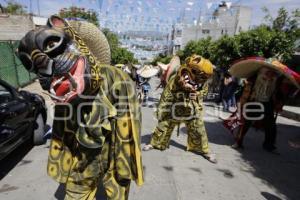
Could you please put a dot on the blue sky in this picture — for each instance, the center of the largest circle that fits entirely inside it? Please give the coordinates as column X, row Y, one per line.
column 157, row 8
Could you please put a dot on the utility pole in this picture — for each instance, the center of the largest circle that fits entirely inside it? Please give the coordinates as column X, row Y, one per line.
column 38, row 5
column 30, row 7
column 1, row 8
column 100, row 2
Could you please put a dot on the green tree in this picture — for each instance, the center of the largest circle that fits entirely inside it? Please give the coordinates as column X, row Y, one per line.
column 199, row 47
column 76, row 12
column 112, row 38
column 266, row 42
column 161, row 58
column 273, row 39
column 223, row 51
column 122, row 56
column 283, row 21
column 14, row 8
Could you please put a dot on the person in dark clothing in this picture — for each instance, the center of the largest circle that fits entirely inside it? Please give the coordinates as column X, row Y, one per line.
column 228, row 94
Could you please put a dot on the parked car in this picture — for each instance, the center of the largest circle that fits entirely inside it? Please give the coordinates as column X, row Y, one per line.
column 23, row 117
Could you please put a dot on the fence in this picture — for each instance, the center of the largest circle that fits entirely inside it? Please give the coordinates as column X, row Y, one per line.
column 11, row 68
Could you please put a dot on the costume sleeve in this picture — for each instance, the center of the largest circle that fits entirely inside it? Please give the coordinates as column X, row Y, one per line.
column 93, row 118
column 127, row 156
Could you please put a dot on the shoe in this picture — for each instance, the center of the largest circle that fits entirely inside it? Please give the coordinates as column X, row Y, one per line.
column 210, row 157
column 148, row 147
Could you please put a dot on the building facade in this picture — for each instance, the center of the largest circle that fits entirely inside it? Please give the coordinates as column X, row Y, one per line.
column 225, row 20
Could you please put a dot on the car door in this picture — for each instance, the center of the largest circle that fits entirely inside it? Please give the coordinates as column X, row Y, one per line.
column 13, row 123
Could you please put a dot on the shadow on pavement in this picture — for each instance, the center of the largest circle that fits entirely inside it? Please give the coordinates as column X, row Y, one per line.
column 60, row 193
column 279, row 171
column 15, row 158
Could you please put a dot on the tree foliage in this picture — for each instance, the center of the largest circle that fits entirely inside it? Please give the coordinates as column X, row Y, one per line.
column 122, row 56
column 14, row 8
column 198, row 47
column 224, row 51
column 276, row 38
column 161, row 58
column 112, row 38
column 76, row 12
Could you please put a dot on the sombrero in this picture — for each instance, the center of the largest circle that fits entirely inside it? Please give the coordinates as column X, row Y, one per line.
column 169, row 69
column 248, row 67
column 147, row 71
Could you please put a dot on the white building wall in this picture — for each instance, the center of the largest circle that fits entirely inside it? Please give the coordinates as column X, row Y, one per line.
column 14, row 27
column 244, row 19
column 224, row 21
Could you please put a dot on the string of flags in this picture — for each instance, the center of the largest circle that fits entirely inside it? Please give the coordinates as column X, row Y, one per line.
column 158, row 15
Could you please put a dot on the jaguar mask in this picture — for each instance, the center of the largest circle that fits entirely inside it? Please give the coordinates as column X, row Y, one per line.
column 194, row 73
column 62, row 61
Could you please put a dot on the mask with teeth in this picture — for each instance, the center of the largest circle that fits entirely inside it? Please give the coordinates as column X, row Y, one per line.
column 60, row 58
column 194, row 73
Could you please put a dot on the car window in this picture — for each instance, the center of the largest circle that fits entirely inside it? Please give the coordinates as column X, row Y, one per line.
column 5, row 95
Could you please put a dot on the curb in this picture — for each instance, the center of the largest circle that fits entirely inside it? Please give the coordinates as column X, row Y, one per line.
column 291, row 115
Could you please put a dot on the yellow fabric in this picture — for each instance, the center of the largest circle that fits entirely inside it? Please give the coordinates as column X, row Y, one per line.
column 200, row 63
column 108, row 148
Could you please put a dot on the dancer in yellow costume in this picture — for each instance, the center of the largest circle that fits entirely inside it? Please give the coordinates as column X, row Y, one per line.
column 181, row 102
column 96, row 129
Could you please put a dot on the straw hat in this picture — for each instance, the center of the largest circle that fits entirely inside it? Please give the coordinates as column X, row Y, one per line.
column 94, row 39
column 248, row 67
column 147, row 71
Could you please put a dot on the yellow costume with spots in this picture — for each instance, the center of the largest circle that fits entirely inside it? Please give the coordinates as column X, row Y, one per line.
column 96, row 131
column 107, row 150
column 176, row 105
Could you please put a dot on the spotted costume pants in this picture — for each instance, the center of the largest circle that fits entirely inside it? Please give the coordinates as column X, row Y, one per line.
column 197, row 138
column 82, row 183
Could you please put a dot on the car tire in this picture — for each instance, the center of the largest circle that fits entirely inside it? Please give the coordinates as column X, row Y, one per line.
column 39, row 130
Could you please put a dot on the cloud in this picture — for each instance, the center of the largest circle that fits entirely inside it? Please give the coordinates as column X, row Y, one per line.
column 190, row 3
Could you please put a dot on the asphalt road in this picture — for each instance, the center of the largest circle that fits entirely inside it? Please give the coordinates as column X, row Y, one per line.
column 175, row 174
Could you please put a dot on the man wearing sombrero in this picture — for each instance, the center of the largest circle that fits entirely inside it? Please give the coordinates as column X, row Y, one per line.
column 261, row 96
column 181, row 101
column 143, row 77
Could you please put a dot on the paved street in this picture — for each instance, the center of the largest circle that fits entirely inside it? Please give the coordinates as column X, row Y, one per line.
column 176, row 174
